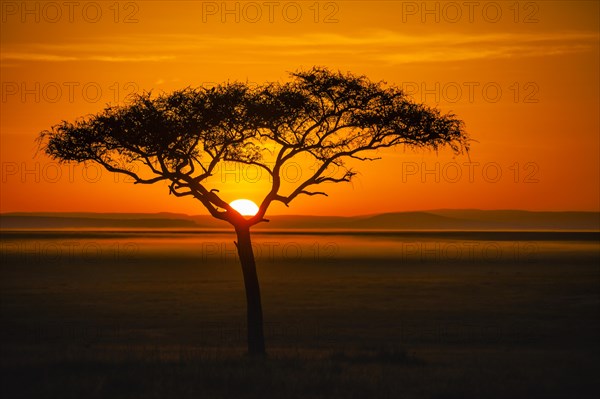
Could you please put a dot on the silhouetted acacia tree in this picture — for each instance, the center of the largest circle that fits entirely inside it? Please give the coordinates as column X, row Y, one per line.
column 181, row 137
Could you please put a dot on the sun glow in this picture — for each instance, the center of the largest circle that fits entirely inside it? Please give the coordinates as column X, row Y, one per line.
column 244, row 207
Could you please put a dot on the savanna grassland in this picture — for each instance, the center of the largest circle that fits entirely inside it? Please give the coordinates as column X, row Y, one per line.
column 362, row 315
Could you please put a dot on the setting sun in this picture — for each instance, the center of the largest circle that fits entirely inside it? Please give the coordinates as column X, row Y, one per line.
column 244, row 207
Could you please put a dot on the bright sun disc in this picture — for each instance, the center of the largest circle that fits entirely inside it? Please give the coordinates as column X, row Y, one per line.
column 244, row 207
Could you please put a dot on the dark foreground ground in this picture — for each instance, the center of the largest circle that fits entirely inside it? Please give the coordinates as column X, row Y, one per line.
column 128, row 316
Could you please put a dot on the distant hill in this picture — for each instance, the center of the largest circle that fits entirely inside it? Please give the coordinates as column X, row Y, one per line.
column 8, row 221
column 515, row 219
column 444, row 219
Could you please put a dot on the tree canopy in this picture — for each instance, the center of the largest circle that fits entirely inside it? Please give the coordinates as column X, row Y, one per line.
column 181, row 137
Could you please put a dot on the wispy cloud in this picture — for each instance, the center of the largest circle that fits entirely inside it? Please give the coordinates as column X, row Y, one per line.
column 22, row 56
column 49, row 57
column 375, row 46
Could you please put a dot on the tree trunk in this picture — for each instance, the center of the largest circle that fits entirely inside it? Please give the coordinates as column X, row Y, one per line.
column 256, row 339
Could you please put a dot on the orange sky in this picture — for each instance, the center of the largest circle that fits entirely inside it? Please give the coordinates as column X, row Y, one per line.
column 523, row 76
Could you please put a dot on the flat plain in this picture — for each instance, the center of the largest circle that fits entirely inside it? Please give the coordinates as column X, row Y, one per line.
column 161, row 314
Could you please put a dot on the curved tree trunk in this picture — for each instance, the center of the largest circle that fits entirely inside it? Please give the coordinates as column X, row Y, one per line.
column 256, row 339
